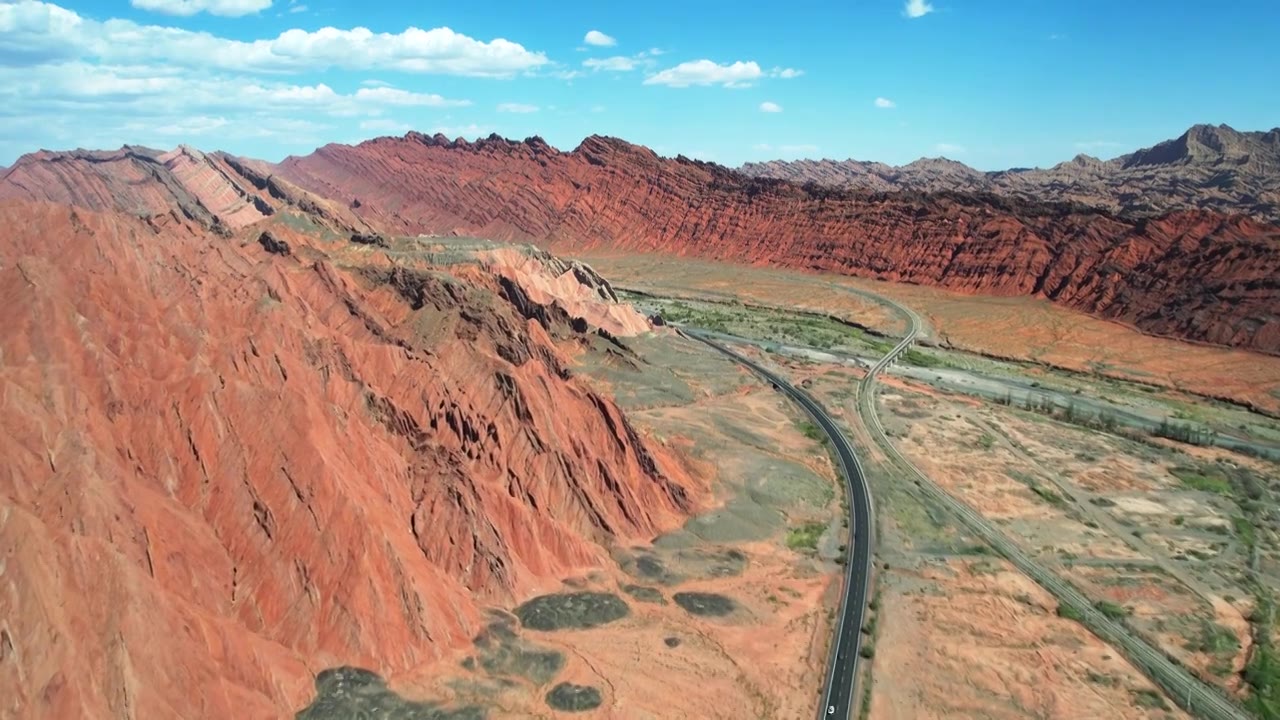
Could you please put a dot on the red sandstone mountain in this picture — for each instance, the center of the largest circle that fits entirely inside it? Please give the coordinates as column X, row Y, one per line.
column 1194, row 274
column 235, row 459
column 1207, row 167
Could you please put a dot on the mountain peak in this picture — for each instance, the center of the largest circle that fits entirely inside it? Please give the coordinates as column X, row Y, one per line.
column 1200, row 144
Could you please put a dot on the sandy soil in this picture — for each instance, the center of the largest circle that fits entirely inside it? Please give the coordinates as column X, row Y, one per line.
column 976, row 639
column 766, row 657
column 1108, row 512
column 1021, row 328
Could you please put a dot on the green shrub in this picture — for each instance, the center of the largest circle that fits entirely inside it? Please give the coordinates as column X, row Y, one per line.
column 1070, row 613
column 1112, row 610
column 805, row 537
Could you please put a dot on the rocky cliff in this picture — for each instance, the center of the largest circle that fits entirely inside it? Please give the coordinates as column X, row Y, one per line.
column 1207, row 167
column 210, row 190
column 235, row 458
column 1193, row 274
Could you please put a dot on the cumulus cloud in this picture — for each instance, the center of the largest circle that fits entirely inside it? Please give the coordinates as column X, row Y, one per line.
column 395, row 96
column 469, row 131
column 950, row 149
column 599, row 39
column 770, row 107
column 617, row 63
column 142, row 91
column 917, row 8
column 706, row 72
column 787, row 73
column 225, row 8
column 33, row 32
column 199, row 125
column 885, row 103
column 512, row 107
column 385, row 125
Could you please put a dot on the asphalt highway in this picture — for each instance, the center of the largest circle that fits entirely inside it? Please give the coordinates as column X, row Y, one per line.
column 842, row 667
column 1184, row 688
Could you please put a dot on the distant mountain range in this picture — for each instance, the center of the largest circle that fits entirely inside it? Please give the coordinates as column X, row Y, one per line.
column 1207, row 167
column 1164, row 239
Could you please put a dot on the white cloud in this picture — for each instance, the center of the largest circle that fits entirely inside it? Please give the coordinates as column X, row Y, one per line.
column 786, row 73
column 393, row 96
column 464, row 131
column 186, row 127
column 385, row 125
column 297, row 8
column 948, row 148
column 136, row 92
column 33, row 32
column 599, row 39
column 375, row 83
column 225, row 8
column 885, row 103
column 770, row 107
column 617, row 63
column 917, row 8
column 706, row 72
column 517, row 108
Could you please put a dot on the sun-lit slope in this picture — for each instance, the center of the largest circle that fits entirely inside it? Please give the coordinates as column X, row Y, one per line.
column 1194, row 274
column 227, row 469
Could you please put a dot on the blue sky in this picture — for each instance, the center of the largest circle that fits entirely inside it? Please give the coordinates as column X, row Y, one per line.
column 992, row 83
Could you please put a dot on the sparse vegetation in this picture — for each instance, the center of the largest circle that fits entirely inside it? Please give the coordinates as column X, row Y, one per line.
column 1214, row 638
column 812, row 431
column 922, row 359
column 1070, row 613
column 1149, row 699
column 1112, row 610
column 1197, row 480
column 987, row 441
column 805, row 537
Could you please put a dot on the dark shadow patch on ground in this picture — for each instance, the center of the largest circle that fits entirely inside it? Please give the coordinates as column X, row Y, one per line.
column 504, row 653
column 572, row 611
column 567, row 697
column 670, row 566
column 350, row 692
column 705, row 604
column 646, row 594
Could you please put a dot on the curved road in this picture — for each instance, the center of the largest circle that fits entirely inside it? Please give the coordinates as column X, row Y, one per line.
column 1181, row 686
column 842, row 667
column 1188, row 691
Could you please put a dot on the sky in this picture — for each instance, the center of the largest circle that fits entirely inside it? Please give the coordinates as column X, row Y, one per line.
column 992, row 83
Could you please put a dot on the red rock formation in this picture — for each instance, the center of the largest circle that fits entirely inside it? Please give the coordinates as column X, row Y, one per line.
column 212, row 190
column 225, row 469
column 1207, row 167
column 1195, row 274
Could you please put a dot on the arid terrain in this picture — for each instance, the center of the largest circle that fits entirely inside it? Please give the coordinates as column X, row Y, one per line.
column 1161, row 533
column 330, row 438
column 1191, row 273
column 1211, row 167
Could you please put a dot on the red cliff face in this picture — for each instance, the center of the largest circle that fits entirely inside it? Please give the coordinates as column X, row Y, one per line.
column 1195, row 274
column 226, row 469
